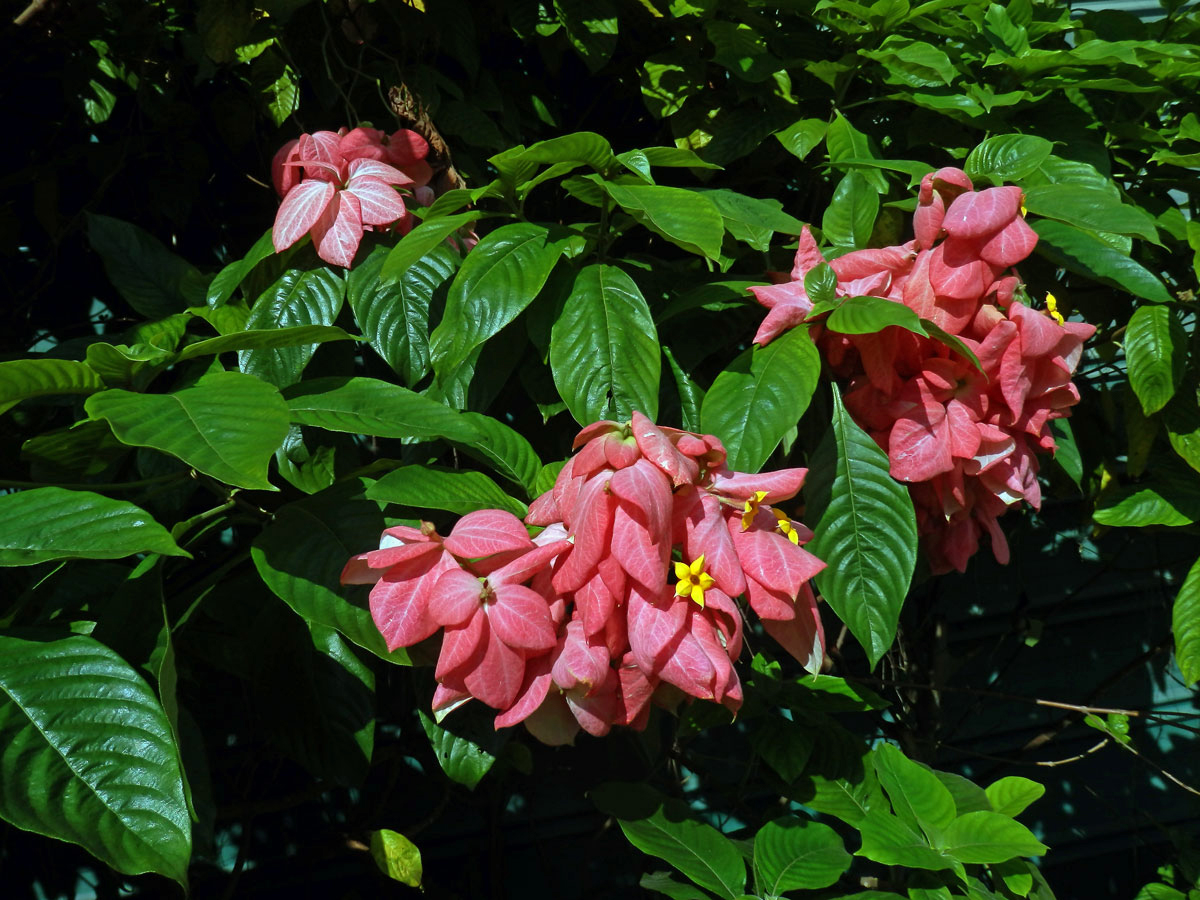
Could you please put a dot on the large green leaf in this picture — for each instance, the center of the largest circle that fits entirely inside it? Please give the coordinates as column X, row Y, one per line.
column 604, row 351
column 987, row 837
column 311, row 297
column 1089, row 207
column 784, row 744
column 888, row 840
column 394, row 316
column 791, row 854
column 1156, row 353
column 87, row 755
column 421, row 240
column 697, row 850
column 1170, row 496
column 850, row 216
column 370, row 406
column 753, row 220
column 686, row 218
column 498, row 279
column 150, row 278
column 1008, row 157
column 23, row 378
column 226, row 425
column 849, row 800
column 397, row 857
column 866, row 530
column 1079, row 251
column 763, row 393
column 301, row 553
column 435, row 487
column 505, row 450
column 1185, row 624
column 584, row 147
column 919, row 799
column 53, row 523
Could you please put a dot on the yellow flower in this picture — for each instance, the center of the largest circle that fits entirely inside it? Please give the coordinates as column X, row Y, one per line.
column 751, row 509
column 693, row 580
column 785, row 526
column 1052, row 308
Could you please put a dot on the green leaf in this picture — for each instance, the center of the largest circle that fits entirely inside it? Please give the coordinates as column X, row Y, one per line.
column 397, row 857
column 792, row 854
column 464, row 758
column 297, row 298
column 1015, row 874
column 1185, row 625
column 752, row 220
column 230, row 278
column 1008, row 157
column 865, row 315
column 914, row 63
column 148, row 276
column 844, row 141
column 89, row 756
column 122, row 366
column 422, row 239
column 498, row 279
column 1067, row 453
column 266, row 339
column 53, row 523
column 1170, row 496
column 505, row 450
column 24, row 378
column 1092, row 208
column 604, row 351
column 850, row 216
column 226, row 425
column 690, row 395
column 763, row 393
column 584, row 147
column 435, row 487
column 988, row 837
column 919, row 799
column 1156, row 353
column 1010, row 796
column 866, row 527
column 801, row 137
column 697, row 850
column 849, row 800
column 953, row 341
column 370, row 406
column 591, row 27
column 1080, row 252
column 888, row 840
column 663, row 883
column 820, row 283
column 394, row 315
column 301, row 553
column 968, row 796
column 686, row 218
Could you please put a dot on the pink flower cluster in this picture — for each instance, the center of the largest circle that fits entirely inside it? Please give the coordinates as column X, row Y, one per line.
column 338, row 185
column 581, row 626
column 964, row 438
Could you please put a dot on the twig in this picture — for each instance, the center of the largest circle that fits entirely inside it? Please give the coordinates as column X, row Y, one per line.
column 34, row 7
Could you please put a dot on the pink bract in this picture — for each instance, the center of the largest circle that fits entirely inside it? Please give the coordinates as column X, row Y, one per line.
column 964, row 438
column 624, row 596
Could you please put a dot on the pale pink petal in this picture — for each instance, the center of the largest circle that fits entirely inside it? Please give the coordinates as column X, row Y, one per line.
column 300, row 211
column 283, row 176
column 359, row 571
column 462, row 649
column 338, row 231
column 533, row 692
column 406, row 147
column 977, row 214
column 498, row 676
column 400, row 600
column 657, row 448
column 363, row 168
column 780, row 485
column 487, row 531
column 1013, row 243
column 803, row 636
column 457, row 596
column 521, row 618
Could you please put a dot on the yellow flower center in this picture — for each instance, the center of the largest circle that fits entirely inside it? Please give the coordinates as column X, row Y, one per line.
column 786, row 527
column 751, row 508
column 693, row 580
column 1052, row 308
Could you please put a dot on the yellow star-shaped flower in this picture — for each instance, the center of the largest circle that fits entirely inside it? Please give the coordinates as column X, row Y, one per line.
column 693, row 580
column 786, row 527
column 751, row 508
column 1052, row 308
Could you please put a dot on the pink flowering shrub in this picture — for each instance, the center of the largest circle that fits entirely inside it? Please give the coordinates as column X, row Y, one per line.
column 626, row 594
column 964, row 438
column 335, row 186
